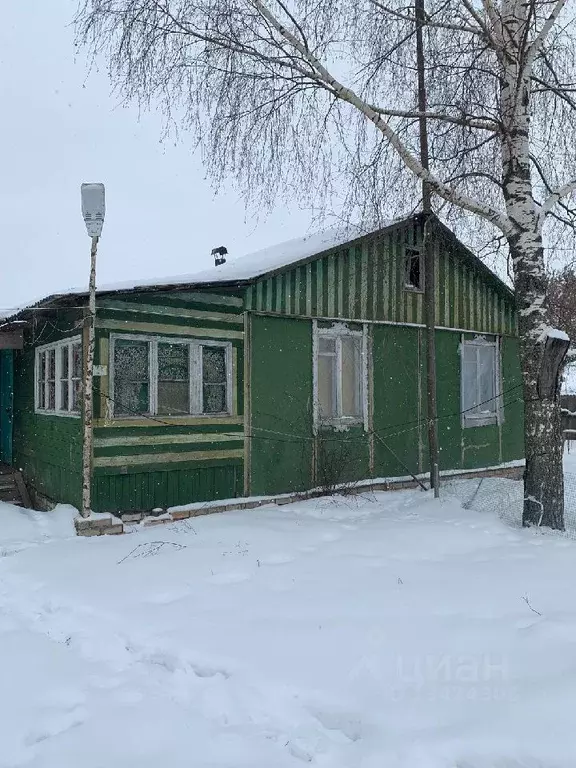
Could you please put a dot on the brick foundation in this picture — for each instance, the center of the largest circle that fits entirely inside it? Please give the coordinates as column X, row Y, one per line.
column 101, row 525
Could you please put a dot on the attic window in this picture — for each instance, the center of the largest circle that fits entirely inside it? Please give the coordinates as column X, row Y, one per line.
column 413, row 270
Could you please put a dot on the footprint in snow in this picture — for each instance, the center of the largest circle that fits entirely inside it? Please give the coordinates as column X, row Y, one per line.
column 228, row 578
column 165, row 598
column 55, row 723
column 278, row 558
column 331, row 536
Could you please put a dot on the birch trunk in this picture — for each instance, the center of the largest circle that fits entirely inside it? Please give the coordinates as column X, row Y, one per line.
column 543, row 477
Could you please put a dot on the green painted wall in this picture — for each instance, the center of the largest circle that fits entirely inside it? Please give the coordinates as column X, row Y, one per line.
column 395, row 444
column 365, row 281
column 47, row 449
column 144, row 462
column 281, row 445
column 399, row 391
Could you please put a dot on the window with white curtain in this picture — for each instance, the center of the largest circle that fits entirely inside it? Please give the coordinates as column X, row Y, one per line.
column 481, row 391
column 340, row 376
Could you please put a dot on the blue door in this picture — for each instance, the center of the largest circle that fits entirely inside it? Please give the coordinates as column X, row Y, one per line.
column 6, row 407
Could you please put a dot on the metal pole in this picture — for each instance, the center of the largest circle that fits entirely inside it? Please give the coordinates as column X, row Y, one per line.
column 429, row 277
column 89, row 326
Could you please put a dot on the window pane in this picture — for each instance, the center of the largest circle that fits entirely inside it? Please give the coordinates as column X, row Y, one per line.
column 76, row 393
column 469, row 378
column 131, row 377
column 326, row 345
column 63, row 352
column 351, row 376
column 413, row 270
column 486, row 379
column 214, row 385
column 76, row 376
column 173, row 379
column 213, row 365
column 479, row 380
column 214, row 398
column 77, row 361
column 326, row 387
column 41, row 376
column 51, row 380
column 64, row 394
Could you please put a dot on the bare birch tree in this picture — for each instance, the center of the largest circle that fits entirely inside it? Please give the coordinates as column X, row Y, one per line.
column 296, row 96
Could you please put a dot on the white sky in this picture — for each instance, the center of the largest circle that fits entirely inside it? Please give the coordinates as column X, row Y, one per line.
column 58, row 129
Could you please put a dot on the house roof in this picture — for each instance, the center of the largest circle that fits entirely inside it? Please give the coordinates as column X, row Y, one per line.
column 269, row 260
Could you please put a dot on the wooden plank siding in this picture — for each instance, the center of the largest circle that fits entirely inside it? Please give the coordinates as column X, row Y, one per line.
column 143, row 462
column 365, row 281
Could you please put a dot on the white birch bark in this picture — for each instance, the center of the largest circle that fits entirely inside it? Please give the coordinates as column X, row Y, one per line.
column 88, row 389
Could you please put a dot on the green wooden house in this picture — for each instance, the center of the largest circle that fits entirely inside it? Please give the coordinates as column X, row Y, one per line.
column 301, row 366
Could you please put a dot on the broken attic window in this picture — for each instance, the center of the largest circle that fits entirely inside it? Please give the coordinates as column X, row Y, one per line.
column 173, row 379
column 414, row 270
column 131, row 378
column 214, row 386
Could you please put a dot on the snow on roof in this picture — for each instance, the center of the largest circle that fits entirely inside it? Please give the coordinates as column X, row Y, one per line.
column 252, row 265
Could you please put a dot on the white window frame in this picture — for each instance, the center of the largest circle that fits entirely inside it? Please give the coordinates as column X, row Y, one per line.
column 338, row 331
column 194, row 374
column 42, row 408
column 497, row 417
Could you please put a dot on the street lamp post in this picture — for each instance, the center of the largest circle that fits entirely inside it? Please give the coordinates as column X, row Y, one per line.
column 93, row 210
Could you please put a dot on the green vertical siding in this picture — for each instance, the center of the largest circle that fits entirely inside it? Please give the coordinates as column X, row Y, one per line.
column 365, row 280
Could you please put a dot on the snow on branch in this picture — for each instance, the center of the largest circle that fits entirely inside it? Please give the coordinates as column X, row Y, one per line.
column 555, row 198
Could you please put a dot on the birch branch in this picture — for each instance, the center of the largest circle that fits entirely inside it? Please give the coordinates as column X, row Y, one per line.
column 538, row 41
column 429, row 20
column 555, row 198
column 467, row 122
column 342, row 92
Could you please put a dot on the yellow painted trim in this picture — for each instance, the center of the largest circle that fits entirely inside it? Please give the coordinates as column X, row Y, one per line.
column 169, row 439
column 165, row 458
column 156, row 309
column 175, row 421
column 169, row 330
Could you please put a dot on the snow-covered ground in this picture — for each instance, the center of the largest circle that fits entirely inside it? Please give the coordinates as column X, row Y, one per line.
column 381, row 631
